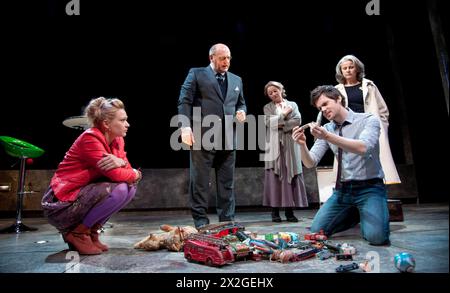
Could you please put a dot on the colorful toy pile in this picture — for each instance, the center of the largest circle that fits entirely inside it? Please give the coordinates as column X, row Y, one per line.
column 228, row 242
column 219, row 244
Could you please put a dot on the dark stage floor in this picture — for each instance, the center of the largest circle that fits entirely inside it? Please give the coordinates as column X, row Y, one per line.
column 424, row 234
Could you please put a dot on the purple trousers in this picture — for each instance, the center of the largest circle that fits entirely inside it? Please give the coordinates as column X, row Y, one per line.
column 95, row 204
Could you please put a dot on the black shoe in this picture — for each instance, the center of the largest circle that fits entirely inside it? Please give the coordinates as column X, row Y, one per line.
column 276, row 219
column 201, row 223
column 201, row 226
column 292, row 219
column 276, row 215
column 289, row 213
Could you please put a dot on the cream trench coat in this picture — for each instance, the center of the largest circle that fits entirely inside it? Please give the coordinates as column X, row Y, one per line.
column 375, row 104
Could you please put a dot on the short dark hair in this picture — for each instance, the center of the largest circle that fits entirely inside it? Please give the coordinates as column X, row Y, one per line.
column 327, row 90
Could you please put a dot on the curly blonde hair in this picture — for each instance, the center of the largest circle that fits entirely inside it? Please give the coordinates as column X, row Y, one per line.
column 100, row 109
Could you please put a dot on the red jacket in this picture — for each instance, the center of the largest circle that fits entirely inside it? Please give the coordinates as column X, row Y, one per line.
column 79, row 167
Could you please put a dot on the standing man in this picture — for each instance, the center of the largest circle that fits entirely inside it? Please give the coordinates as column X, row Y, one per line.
column 354, row 139
column 216, row 92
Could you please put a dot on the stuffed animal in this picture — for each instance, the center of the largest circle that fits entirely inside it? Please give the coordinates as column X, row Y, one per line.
column 172, row 238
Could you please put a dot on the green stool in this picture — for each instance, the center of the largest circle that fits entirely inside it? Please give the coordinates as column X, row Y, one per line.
column 23, row 150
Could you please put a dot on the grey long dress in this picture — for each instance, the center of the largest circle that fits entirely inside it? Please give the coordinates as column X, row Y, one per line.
column 284, row 185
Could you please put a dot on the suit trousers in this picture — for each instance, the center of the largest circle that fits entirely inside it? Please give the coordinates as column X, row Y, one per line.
column 201, row 162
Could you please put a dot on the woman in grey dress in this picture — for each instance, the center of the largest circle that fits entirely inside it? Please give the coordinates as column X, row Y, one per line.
column 284, row 186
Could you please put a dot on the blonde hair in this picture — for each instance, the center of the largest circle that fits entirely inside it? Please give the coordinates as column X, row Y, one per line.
column 277, row 85
column 100, row 109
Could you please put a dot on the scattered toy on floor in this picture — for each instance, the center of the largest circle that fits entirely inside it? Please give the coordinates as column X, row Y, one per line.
column 405, row 262
column 172, row 238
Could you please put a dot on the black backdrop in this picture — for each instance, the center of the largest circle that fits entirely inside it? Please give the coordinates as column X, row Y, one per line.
column 54, row 64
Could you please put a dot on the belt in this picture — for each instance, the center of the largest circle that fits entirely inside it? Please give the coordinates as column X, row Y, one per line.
column 359, row 183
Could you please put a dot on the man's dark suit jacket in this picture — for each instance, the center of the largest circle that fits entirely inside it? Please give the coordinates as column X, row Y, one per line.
column 201, row 89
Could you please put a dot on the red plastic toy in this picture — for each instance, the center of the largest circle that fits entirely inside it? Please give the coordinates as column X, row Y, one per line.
column 316, row 236
column 208, row 250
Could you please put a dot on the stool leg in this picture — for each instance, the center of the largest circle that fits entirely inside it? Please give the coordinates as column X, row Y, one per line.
column 18, row 226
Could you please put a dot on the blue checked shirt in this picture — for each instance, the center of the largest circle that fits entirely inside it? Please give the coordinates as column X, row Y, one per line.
column 361, row 126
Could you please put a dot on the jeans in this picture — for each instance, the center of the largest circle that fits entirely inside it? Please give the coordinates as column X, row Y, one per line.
column 338, row 212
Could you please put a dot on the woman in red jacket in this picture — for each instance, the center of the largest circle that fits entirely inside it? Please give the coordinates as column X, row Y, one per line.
column 95, row 179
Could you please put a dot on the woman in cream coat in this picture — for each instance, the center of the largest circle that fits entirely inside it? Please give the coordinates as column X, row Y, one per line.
column 362, row 95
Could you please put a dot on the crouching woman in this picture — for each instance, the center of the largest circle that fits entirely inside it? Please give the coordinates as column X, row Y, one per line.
column 94, row 180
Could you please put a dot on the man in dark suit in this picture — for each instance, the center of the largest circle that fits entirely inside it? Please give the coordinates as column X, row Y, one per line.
column 218, row 94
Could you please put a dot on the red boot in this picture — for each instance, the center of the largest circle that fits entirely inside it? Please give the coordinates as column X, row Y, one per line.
column 95, row 237
column 80, row 239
